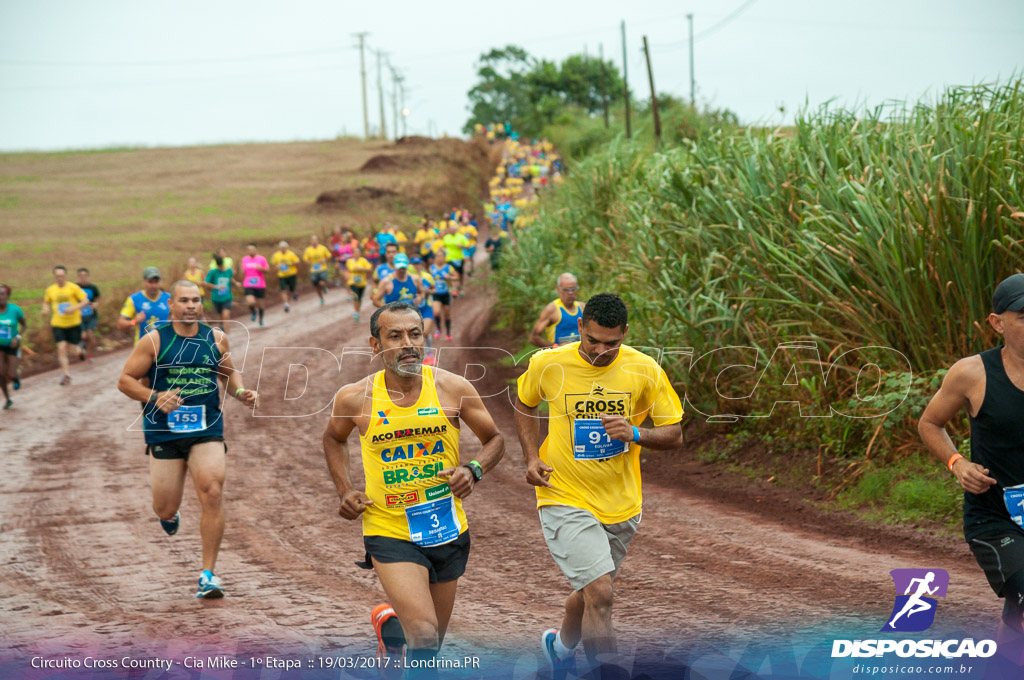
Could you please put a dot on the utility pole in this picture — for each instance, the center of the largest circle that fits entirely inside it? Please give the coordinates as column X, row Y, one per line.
column 362, row 73
column 693, row 100
column 394, row 97
column 654, row 95
column 380, row 92
column 625, row 80
column 604, row 83
column 403, row 111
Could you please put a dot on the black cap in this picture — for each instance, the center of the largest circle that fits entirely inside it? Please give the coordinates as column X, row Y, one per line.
column 1009, row 295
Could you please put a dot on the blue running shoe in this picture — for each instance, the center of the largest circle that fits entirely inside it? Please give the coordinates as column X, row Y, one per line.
column 171, row 525
column 17, row 383
column 560, row 668
column 210, row 587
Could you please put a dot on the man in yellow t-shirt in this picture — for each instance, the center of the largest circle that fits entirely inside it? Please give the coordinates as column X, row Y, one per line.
column 317, row 257
column 424, row 238
column 587, row 470
column 359, row 269
column 63, row 302
column 283, row 261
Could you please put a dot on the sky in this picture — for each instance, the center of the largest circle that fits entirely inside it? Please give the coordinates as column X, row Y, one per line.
column 106, row 73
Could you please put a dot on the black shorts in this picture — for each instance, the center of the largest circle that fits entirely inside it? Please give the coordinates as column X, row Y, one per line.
column 9, row 351
column 444, row 298
column 287, row 282
column 178, row 449
column 443, row 562
column 1000, row 554
column 219, row 307
column 258, row 293
column 72, row 335
column 457, row 266
column 358, row 291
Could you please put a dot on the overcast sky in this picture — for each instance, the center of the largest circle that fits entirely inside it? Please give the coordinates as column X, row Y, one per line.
column 122, row 72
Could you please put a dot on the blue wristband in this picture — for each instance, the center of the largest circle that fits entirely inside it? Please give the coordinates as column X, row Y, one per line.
column 636, row 434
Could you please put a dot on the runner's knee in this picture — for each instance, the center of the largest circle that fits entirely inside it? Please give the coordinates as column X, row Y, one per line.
column 210, row 492
column 421, row 633
column 164, row 509
column 598, row 596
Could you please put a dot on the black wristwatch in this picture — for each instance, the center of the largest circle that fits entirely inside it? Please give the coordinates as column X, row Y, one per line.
column 476, row 469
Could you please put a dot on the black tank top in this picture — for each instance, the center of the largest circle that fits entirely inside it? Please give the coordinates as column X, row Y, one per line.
column 997, row 443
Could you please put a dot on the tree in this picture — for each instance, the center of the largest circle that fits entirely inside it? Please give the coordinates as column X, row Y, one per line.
column 501, row 94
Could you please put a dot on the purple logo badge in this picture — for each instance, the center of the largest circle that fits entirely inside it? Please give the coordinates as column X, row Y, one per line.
column 916, row 590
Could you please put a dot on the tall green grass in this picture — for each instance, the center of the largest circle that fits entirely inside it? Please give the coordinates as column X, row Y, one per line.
column 886, row 228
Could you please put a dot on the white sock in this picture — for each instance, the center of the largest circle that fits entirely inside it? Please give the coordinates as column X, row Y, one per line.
column 561, row 651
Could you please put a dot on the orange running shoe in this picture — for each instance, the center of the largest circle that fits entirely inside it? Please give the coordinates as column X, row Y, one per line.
column 390, row 637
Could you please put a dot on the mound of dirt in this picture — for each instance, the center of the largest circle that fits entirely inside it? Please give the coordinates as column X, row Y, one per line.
column 345, row 197
column 388, row 163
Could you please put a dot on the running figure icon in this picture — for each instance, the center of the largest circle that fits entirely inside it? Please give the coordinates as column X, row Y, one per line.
column 916, row 604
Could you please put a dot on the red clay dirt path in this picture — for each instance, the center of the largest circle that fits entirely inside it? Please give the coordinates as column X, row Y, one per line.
column 84, row 566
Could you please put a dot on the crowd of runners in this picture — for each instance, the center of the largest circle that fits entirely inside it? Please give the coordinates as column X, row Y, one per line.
column 408, row 415
column 602, row 401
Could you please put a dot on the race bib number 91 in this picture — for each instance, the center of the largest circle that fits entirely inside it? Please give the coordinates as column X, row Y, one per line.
column 591, row 442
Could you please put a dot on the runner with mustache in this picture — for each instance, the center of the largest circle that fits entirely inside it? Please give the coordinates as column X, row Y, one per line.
column 408, row 417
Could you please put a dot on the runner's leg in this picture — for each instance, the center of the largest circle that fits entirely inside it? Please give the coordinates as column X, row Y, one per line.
column 207, row 463
column 597, row 631
column 62, row 357
column 572, row 621
column 410, row 593
column 167, row 481
column 443, row 595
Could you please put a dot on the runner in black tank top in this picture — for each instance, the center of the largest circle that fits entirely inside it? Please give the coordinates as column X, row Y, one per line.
column 991, row 386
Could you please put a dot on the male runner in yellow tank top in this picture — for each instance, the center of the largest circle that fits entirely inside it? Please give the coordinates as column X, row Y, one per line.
column 408, row 417
column 587, row 470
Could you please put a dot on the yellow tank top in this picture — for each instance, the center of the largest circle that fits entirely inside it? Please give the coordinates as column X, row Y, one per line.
column 403, row 450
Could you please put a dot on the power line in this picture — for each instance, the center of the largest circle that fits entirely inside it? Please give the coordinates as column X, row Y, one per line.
column 175, row 62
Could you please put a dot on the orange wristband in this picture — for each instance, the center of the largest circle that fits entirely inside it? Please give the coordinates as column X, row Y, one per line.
column 952, row 461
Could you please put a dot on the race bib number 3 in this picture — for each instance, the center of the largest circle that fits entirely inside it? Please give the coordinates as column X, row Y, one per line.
column 433, row 523
column 187, row 419
column 591, row 442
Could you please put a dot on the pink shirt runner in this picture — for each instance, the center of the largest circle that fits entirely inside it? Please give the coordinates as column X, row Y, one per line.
column 251, row 276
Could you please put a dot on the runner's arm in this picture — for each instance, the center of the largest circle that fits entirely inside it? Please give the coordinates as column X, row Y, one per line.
column 656, row 438
column 473, row 412
column 377, row 296
column 528, row 429
column 537, row 333
column 951, row 397
column 231, row 375
column 347, row 401
column 143, row 356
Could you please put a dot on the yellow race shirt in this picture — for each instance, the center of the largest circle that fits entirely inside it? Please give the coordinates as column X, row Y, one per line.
column 592, row 471
column 317, row 258
column 284, row 263
column 198, row 280
column 61, row 298
column 403, row 449
column 470, row 232
column 424, row 237
column 358, row 277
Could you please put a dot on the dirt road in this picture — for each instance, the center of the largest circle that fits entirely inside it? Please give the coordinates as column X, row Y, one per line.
column 86, row 568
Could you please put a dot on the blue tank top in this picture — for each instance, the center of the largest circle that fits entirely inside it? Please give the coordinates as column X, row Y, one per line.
column 439, row 274
column 191, row 365
column 401, row 291
column 155, row 311
column 566, row 330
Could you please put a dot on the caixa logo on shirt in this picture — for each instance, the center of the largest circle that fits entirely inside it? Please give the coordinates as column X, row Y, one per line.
column 914, row 608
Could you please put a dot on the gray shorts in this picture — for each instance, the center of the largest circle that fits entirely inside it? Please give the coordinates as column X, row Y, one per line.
column 582, row 547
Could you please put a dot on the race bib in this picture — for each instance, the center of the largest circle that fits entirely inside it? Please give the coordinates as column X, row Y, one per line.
column 64, row 307
column 318, row 266
column 5, row 333
column 252, row 281
column 222, row 287
column 284, row 266
column 1013, row 497
column 434, row 522
column 87, row 311
column 187, row 419
column 591, row 442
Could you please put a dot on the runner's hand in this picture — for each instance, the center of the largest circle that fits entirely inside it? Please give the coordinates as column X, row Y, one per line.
column 972, row 477
column 538, row 473
column 460, row 479
column 249, row 398
column 140, row 317
column 353, row 504
column 168, row 401
column 618, row 428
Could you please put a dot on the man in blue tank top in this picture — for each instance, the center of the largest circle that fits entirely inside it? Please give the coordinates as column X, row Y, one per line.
column 990, row 386
column 184, row 363
column 399, row 285
column 557, row 324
